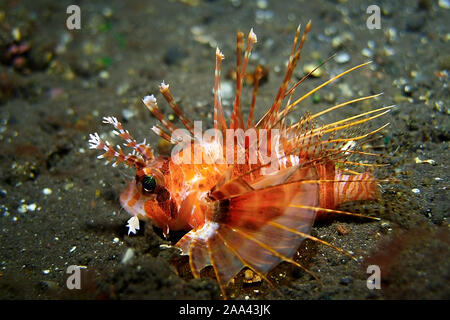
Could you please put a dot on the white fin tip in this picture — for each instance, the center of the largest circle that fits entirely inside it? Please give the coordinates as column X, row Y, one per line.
column 252, row 36
column 149, row 101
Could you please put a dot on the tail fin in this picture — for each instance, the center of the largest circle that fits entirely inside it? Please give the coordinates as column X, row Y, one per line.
column 344, row 188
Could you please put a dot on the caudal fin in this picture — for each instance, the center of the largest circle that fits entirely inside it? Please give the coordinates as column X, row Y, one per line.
column 343, row 188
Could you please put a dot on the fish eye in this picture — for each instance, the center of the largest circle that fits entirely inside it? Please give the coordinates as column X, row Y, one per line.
column 149, row 184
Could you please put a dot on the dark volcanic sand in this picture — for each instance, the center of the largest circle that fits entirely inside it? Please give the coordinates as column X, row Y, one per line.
column 56, row 93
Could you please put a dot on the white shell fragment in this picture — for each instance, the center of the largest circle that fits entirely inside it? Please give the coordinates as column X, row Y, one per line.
column 429, row 161
column 129, row 254
column 133, row 224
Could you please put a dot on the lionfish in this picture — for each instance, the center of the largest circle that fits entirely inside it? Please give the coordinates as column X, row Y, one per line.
column 237, row 215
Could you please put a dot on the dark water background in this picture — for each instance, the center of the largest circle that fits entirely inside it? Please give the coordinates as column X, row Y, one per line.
column 59, row 204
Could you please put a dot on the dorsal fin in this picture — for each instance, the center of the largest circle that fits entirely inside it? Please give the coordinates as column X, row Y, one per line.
column 237, row 120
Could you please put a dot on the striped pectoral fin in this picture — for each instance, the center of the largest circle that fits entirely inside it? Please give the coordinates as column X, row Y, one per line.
column 247, row 230
column 225, row 262
column 206, row 247
column 250, row 232
column 240, row 233
column 257, row 229
column 258, row 255
column 194, row 245
column 198, row 256
column 213, row 251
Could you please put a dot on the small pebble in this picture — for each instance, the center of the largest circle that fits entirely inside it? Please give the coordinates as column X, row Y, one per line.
column 342, row 229
column 416, row 191
column 408, row 89
column 68, row 186
column 122, row 88
column 5, row 210
column 262, row 16
column 342, row 57
column 316, row 98
column 339, row 40
column 445, row 4
column 226, row 88
column 16, row 34
column 329, row 97
column 310, row 67
column 107, row 12
column 262, row 4
column 251, row 277
column 128, row 114
column 22, row 209
column 346, row 91
column 429, row 161
column 104, row 74
column 439, row 106
column 388, row 51
column 116, row 240
column 392, row 34
column 330, row 30
column 199, row 33
column 366, row 52
column 385, row 227
column 129, row 254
